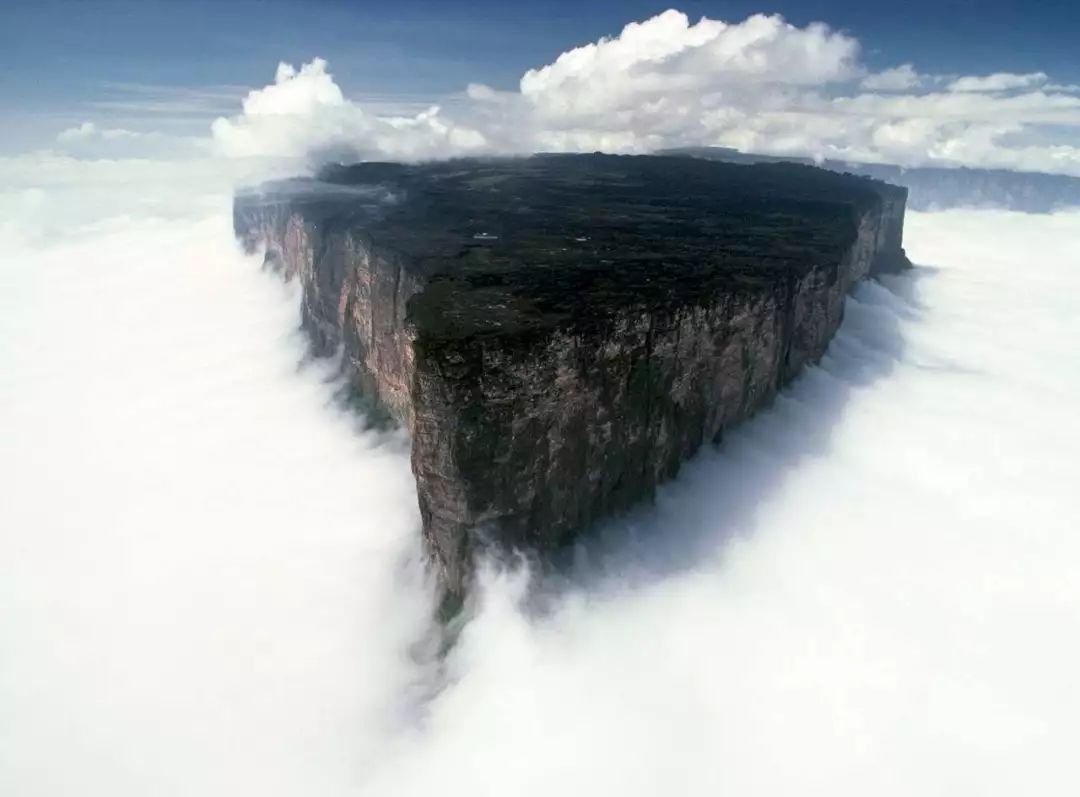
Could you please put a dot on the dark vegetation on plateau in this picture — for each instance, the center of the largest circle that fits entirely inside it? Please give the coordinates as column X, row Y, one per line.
column 513, row 246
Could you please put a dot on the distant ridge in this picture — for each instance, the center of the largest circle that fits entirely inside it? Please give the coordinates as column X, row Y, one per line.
column 936, row 188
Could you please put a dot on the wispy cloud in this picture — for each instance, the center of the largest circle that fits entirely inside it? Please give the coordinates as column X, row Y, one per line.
column 151, row 100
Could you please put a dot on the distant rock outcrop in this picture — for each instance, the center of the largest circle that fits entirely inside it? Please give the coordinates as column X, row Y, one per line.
column 560, row 333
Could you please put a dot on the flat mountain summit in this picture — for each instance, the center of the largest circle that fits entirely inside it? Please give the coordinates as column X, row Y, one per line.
column 560, row 332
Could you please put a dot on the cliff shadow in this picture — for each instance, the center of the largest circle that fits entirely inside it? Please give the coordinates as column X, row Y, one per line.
column 717, row 493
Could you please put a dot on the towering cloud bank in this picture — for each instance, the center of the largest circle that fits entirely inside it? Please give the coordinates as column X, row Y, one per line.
column 666, row 78
column 759, row 85
column 303, row 112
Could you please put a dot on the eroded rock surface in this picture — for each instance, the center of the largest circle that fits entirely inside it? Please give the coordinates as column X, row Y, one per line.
column 560, row 333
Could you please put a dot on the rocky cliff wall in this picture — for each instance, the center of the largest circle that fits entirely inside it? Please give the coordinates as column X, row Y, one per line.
column 526, row 441
column 354, row 295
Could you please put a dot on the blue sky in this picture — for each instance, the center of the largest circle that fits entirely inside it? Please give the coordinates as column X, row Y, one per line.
column 58, row 50
column 173, row 64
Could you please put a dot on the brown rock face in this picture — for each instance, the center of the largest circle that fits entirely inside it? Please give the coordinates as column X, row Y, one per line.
column 559, row 334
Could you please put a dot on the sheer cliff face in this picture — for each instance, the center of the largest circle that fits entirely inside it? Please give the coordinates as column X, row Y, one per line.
column 527, row 443
column 354, row 297
column 524, row 436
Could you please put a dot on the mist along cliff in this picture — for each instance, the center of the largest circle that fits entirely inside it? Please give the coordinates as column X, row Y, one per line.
column 559, row 333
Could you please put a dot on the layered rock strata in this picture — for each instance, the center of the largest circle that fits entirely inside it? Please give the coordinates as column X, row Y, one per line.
column 560, row 333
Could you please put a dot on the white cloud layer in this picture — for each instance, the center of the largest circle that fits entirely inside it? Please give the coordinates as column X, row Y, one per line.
column 999, row 81
column 89, row 140
column 194, row 544
column 760, row 85
column 209, row 585
column 899, row 78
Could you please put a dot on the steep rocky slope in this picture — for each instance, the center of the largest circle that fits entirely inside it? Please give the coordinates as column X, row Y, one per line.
column 560, row 333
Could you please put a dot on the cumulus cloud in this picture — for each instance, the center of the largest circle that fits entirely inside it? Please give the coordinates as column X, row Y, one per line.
column 89, row 130
column 305, row 113
column 999, row 81
column 210, row 583
column 667, row 53
column 761, row 85
column 898, row 78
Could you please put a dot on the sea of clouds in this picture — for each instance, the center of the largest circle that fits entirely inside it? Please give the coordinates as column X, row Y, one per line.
column 211, row 575
column 211, row 580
